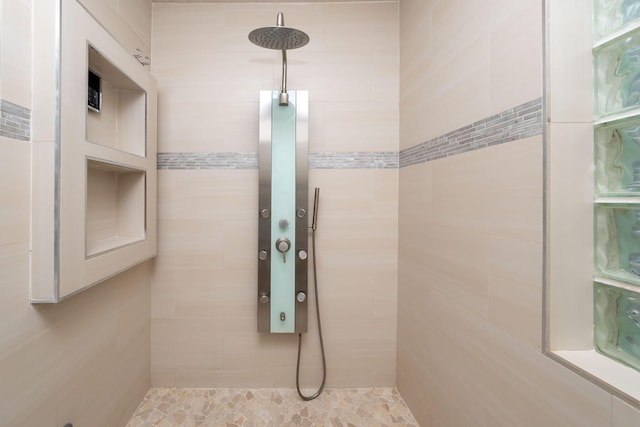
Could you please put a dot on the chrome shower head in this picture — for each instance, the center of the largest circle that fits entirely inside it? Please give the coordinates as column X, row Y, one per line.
column 283, row 39
column 279, row 37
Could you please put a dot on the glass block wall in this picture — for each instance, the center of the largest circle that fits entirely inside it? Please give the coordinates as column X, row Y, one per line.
column 616, row 59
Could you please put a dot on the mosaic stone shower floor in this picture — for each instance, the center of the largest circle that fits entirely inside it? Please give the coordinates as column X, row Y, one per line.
column 371, row 407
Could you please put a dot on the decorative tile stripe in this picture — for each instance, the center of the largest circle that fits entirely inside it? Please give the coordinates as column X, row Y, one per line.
column 15, row 121
column 207, row 160
column 326, row 160
column 519, row 122
column 354, row 160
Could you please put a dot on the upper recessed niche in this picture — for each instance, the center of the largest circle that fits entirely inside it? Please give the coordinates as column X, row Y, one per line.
column 121, row 121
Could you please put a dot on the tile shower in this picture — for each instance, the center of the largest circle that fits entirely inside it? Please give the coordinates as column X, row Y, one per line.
column 463, row 346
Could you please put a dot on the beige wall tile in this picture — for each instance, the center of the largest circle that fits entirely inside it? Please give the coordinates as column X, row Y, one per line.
column 623, row 414
column 463, row 61
column 569, row 49
column 198, row 280
column 515, row 288
column 14, row 191
column 15, row 66
column 85, row 360
column 516, row 56
column 497, row 190
column 570, row 228
column 209, row 74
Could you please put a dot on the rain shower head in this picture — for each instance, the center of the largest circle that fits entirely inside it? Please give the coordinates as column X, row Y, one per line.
column 283, row 39
column 279, row 37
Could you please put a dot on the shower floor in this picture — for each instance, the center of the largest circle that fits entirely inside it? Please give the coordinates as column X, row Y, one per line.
column 371, row 407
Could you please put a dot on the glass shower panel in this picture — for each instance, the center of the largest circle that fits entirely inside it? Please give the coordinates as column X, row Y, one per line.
column 283, row 208
column 617, row 158
column 617, row 323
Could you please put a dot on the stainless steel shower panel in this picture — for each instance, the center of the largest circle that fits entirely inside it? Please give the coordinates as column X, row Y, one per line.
column 264, row 203
column 302, row 201
column 268, row 247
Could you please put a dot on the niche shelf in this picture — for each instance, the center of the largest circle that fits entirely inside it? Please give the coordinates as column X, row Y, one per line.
column 94, row 155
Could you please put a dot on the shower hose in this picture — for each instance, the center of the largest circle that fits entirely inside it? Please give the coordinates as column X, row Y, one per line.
column 324, row 362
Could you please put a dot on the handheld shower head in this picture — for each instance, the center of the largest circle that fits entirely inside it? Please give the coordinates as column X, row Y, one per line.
column 280, row 38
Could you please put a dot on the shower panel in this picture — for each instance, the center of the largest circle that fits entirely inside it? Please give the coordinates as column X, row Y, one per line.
column 283, row 213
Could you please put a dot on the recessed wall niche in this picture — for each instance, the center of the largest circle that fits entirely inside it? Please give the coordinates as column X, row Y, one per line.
column 94, row 169
column 120, row 123
column 115, row 208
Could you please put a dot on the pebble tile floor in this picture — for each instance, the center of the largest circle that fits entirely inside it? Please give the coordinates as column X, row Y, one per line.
column 176, row 407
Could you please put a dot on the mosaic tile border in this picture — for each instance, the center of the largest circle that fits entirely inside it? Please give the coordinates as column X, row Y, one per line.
column 354, row 160
column 522, row 121
column 226, row 160
column 15, row 121
column 325, row 160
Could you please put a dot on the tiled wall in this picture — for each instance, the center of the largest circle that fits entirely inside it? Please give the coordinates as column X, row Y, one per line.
column 204, row 290
column 85, row 360
column 470, row 229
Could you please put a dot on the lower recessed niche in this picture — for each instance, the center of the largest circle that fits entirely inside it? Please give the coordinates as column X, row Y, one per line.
column 115, row 207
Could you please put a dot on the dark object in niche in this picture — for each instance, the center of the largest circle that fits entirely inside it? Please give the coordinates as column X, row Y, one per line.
column 95, row 92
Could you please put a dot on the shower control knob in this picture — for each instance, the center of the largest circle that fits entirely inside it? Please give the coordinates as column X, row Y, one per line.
column 302, row 254
column 301, row 213
column 263, row 298
column 301, row 296
column 264, row 213
column 283, row 245
column 263, row 255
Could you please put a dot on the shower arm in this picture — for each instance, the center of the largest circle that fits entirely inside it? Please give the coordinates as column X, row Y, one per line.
column 284, row 96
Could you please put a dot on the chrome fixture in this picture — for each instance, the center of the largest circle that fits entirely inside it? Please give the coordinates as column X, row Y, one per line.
column 301, row 297
column 283, row 251
column 142, row 58
column 280, row 38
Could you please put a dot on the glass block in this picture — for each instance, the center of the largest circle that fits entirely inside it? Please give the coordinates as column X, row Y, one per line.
column 617, row 76
column 617, row 323
column 617, row 242
column 617, row 158
column 611, row 15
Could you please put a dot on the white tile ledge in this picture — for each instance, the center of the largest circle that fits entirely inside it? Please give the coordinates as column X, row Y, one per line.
column 611, row 375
